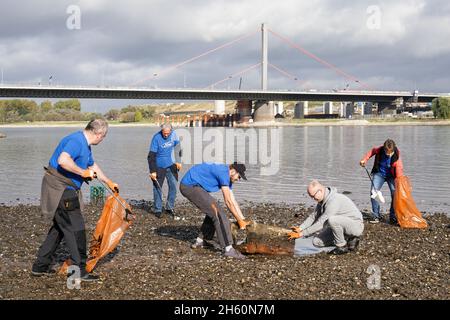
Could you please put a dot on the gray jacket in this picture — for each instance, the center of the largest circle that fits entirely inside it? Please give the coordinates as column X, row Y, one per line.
column 334, row 203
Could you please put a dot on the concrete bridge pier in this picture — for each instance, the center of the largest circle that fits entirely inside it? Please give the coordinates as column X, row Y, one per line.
column 300, row 109
column 328, row 107
column 263, row 111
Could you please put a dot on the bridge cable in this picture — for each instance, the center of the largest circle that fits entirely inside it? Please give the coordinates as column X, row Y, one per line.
column 327, row 64
column 195, row 58
column 285, row 73
column 233, row 75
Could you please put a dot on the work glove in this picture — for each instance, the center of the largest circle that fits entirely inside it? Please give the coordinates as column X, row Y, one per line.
column 88, row 174
column 152, row 175
column 296, row 229
column 179, row 166
column 113, row 186
column 362, row 163
column 243, row 224
column 295, row 233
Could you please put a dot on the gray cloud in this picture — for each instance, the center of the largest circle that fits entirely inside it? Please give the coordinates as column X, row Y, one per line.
column 120, row 43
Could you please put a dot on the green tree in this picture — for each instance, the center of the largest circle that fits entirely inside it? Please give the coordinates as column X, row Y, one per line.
column 2, row 111
column 148, row 112
column 137, row 116
column 441, row 107
column 72, row 104
column 46, row 106
column 112, row 114
column 127, row 117
column 22, row 107
column 129, row 109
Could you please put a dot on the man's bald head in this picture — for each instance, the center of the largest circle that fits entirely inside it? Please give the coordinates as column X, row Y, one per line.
column 316, row 190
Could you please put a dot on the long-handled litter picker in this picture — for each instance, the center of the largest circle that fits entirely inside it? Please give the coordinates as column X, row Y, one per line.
column 127, row 211
column 376, row 194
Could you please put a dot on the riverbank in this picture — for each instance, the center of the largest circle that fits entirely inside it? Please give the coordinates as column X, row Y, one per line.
column 275, row 123
column 75, row 124
column 154, row 261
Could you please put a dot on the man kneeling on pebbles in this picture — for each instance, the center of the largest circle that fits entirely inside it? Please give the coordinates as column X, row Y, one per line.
column 336, row 217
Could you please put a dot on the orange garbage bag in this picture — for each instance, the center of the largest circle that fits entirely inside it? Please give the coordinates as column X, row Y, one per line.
column 408, row 216
column 109, row 230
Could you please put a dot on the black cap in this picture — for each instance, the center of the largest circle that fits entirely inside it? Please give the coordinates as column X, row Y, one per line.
column 240, row 168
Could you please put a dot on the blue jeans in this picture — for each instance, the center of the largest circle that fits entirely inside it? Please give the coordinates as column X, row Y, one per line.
column 378, row 181
column 157, row 194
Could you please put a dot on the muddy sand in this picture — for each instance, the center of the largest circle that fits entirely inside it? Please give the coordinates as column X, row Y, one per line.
column 155, row 261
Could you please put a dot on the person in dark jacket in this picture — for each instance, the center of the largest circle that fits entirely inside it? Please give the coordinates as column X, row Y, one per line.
column 387, row 166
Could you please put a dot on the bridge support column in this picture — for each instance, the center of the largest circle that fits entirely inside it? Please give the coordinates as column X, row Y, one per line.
column 300, row 109
column 244, row 110
column 328, row 107
column 263, row 111
column 348, row 110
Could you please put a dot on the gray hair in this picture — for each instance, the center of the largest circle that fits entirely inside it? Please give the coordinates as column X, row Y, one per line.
column 314, row 184
column 166, row 126
column 97, row 126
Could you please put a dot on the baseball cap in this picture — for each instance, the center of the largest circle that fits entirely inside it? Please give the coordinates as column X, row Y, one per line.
column 240, row 168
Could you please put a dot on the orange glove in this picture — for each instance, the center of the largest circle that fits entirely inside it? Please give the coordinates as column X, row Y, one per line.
column 296, row 229
column 179, row 166
column 295, row 233
column 243, row 224
column 113, row 186
column 152, row 175
column 88, row 174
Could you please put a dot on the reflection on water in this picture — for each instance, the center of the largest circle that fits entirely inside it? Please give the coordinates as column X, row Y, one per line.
column 330, row 154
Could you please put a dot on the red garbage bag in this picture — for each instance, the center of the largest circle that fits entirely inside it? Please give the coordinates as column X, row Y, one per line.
column 408, row 216
column 109, row 230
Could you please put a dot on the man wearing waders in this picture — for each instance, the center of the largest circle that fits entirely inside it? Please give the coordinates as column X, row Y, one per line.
column 162, row 166
column 196, row 185
column 71, row 164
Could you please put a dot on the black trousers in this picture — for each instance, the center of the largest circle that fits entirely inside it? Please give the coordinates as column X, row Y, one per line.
column 68, row 223
column 215, row 220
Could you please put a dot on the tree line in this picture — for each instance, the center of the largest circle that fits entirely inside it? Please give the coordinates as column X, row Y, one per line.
column 441, row 108
column 22, row 110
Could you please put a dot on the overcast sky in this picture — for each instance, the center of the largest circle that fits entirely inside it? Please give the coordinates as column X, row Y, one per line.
column 388, row 45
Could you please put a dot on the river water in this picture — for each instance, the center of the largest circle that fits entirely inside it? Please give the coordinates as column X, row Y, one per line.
column 279, row 167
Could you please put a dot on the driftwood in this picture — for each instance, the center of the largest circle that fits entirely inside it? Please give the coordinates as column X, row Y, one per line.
column 2, row 135
column 264, row 239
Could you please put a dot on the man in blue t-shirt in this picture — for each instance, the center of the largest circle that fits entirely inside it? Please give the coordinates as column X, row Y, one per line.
column 196, row 185
column 70, row 165
column 162, row 165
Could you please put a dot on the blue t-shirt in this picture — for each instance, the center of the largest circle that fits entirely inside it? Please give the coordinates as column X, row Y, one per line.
column 209, row 176
column 385, row 165
column 164, row 148
column 77, row 147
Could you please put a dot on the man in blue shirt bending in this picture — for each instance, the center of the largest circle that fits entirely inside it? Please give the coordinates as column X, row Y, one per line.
column 196, row 185
column 162, row 166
